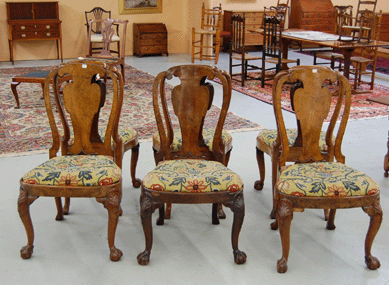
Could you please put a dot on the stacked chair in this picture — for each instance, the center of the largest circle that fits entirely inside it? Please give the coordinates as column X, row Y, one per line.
column 206, row 40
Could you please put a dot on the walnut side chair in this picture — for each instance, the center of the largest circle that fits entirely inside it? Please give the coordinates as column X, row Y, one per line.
column 86, row 166
column 195, row 173
column 315, row 180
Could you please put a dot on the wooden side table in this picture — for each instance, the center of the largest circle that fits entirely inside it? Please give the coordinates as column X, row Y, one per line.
column 32, row 77
column 384, row 101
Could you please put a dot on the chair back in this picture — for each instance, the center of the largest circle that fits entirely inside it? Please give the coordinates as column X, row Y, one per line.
column 365, row 8
column 109, row 28
column 281, row 10
column 96, row 13
column 185, row 108
column 82, row 108
column 343, row 16
column 318, row 94
column 237, row 33
column 272, row 33
column 211, row 18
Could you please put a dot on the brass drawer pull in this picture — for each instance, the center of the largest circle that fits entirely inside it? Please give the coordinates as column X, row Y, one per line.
column 24, row 35
column 48, row 34
column 47, row 26
column 22, row 27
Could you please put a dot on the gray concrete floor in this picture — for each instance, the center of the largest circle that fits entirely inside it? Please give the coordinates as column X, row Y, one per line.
column 188, row 249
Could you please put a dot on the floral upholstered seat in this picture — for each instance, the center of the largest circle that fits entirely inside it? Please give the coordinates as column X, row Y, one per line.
column 191, row 175
column 325, row 179
column 269, row 136
column 75, row 170
column 208, row 135
column 126, row 135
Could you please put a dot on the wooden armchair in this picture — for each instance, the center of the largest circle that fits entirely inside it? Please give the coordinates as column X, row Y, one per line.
column 108, row 29
column 239, row 58
column 96, row 42
column 203, row 46
column 314, row 181
column 196, row 172
column 87, row 165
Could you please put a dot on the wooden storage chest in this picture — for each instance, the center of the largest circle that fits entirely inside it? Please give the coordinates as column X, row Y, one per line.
column 150, row 38
column 34, row 21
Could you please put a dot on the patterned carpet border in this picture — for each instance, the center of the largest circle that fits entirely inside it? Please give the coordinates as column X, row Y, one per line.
column 26, row 131
column 361, row 108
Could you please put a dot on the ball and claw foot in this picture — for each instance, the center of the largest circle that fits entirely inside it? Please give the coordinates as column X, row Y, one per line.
column 160, row 221
column 274, row 225
column 258, row 185
column 239, row 257
column 26, row 251
column 372, row 262
column 143, row 258
column 116, row 254
column 331, row 226
column 282, row 265
column 136, row 183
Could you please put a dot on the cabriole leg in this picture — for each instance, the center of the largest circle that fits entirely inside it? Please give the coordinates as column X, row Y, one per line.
column 147, row 209
column 258, row 185
column 284, row 217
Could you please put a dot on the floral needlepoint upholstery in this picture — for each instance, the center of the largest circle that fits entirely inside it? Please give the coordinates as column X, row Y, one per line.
column 208, row 135
column 75, row 170
column 269, row 136
column 191, row 175
column 126, row 134
column 325, row 179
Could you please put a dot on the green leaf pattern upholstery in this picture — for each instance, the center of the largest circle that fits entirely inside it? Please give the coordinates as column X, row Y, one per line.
column 325, row 179
column 75, row 170
column 208, row 135
column 126, row 134
column 269, row 136
column 192, row 175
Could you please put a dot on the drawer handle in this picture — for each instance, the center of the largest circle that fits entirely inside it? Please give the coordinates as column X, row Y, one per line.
column 23, row 35
column 22, row 27
column 48, row 27
column 48, row 34
column 36, row 33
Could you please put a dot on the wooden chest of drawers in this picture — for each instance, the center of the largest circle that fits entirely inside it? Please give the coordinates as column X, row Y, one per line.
column 150, row 38
column 253, row 20
column 29, row 21
column 384, row 33
column 318, row 15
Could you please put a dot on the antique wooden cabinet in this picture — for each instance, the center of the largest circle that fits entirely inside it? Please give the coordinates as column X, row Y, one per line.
column 150, row 38
column 314, row 15
column 253, row 20
column 384, row 34
column 34, row 21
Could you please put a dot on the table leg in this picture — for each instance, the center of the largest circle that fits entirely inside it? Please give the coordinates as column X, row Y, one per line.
column 11, row 51
column 386, row 161
column 15, row 92
column 285, row 48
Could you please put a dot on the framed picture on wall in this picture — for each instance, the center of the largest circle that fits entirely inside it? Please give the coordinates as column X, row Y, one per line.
column 140, row 6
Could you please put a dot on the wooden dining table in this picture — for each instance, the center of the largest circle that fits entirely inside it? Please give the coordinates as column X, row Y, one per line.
column 326, row 40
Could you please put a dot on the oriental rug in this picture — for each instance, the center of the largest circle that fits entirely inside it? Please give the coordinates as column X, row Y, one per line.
column 26, row 130
column 361, row 108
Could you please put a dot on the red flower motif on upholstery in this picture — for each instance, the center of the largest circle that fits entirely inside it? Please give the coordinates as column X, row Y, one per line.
column 196, row 186
column 157, row 187
column 296, row 193
column 373, row 191
column 336, row 191
column 233, row 188
column 106, row 181
column 68, row 180
column 32, row 181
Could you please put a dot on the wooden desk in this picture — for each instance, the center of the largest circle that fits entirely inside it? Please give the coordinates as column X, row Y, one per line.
column 384, row 101
column 347, row 48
